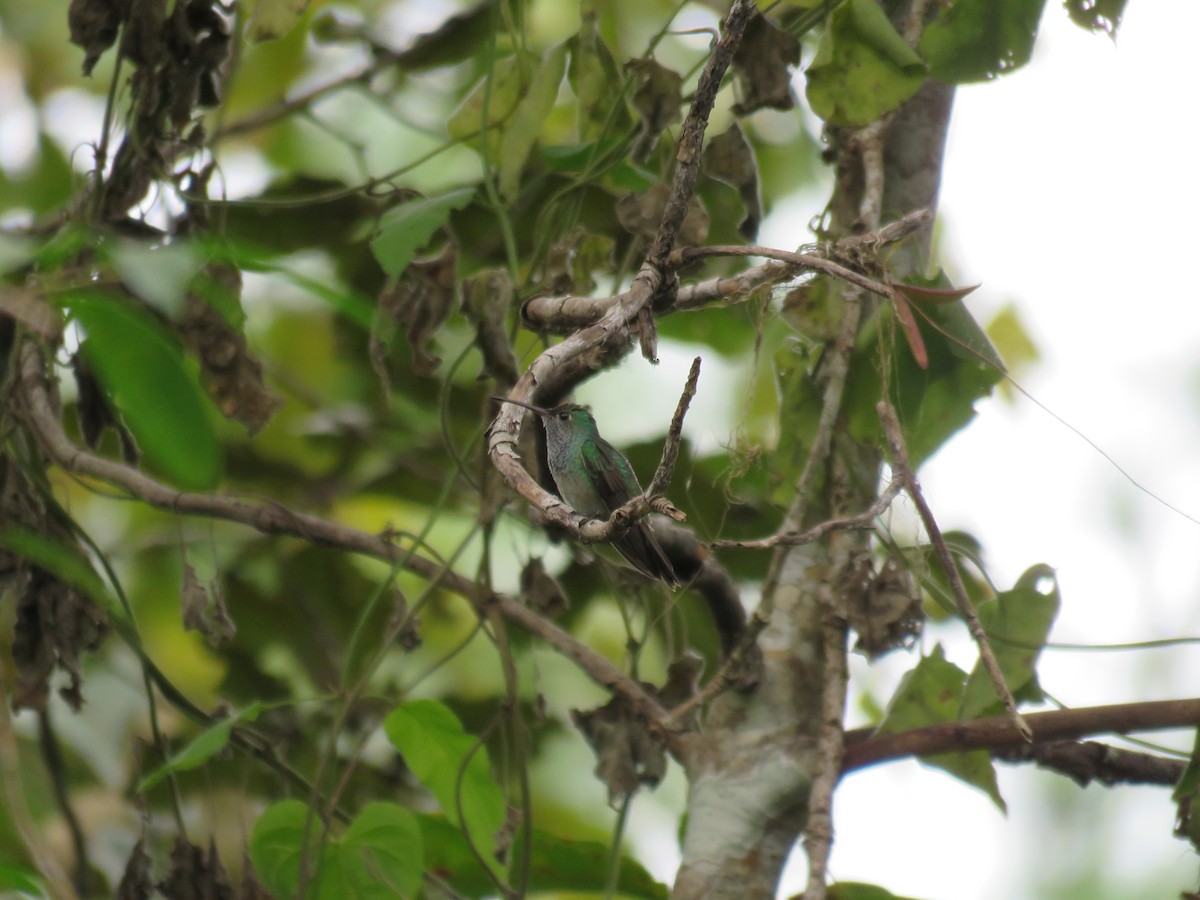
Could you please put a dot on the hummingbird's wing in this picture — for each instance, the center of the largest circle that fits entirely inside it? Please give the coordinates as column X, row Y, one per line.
column 617, row 484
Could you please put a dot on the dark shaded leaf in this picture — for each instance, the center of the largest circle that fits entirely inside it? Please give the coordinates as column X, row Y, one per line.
column 1097, row 15
column 763, row 65
column 641, row 214
column 136, row 882
column 195, row 875
column 486, row 302
column 977, row 40
column 596, row 80
column 541, row 590
column 231, row 374
column 728, row 157
column 94, row 25
column 419, row 304
column 657, row 99
column 454, row 40
column 143, row 374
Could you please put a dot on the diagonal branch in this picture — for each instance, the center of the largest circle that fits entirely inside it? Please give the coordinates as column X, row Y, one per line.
column 42, row 416
column 895, row 438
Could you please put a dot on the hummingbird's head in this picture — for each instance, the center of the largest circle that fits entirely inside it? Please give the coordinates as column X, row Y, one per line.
column 566, row 420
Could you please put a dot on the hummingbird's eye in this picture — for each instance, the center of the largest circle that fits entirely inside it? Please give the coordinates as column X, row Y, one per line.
column 564, row 416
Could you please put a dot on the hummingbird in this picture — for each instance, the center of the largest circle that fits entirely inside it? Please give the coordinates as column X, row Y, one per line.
column 595, row 478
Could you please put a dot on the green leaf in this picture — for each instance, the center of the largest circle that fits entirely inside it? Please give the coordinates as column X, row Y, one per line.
column 381, row 854
column 862, row 67
column 202, row 748
column 452, row 765
column 159, row 275
column 556, row 865
column 597, row 82
column 521, row 133
column 977, row 40
column 13, row 878
column 1097, row 15
column 935, row 402
column 1018, row 622
column 501, row 90
column 276, row 845
column 930, row 694
column 405, row 229
column 142, row 370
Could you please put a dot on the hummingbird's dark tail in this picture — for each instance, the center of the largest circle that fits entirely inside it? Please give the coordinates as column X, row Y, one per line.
column 641, row 550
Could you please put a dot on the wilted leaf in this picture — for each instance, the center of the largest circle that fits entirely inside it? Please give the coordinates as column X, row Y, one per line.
column 487, row 299
column 641, row 214
column 195, row 875
column 136, row 881
column 204, row 610
column 94, row 25
column 657, row 99
column 976, row 40
column 573, row 259
column 890, row 614
column 628, row 755
column 419, row 304
column 541, row 591
column 728, row 157
column 763, row 65
column 231, row 374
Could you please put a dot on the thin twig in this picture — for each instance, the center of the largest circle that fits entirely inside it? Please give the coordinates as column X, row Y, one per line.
column 670, row 454
column 800, row 260
column 865, row 519
column 900, row 463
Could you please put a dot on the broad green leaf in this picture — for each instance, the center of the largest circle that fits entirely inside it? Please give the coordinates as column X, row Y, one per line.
column 142, row 370
column 405, row 229
column 930, row 694
column 557, row 865
column 14, row 878
column 976, row 40
column 159, row 275
column 932, row 403
column 501, row 90
column 380, row 855
column 452, row 765
column 862, row 67
column 276, row 845
column 521, row 132
column 1018, row 623
column 202, row 748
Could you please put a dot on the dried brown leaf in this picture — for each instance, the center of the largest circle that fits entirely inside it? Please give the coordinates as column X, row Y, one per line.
column 418, row 304
column 763, row 65
column 888, row 615
column 641, row 214
column 136, row 883
column 486, row 302
column 94, row 25
column 195, row 875
column 542, row 591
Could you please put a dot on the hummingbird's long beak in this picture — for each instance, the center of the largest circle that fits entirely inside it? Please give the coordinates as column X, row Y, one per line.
column 537, row 409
